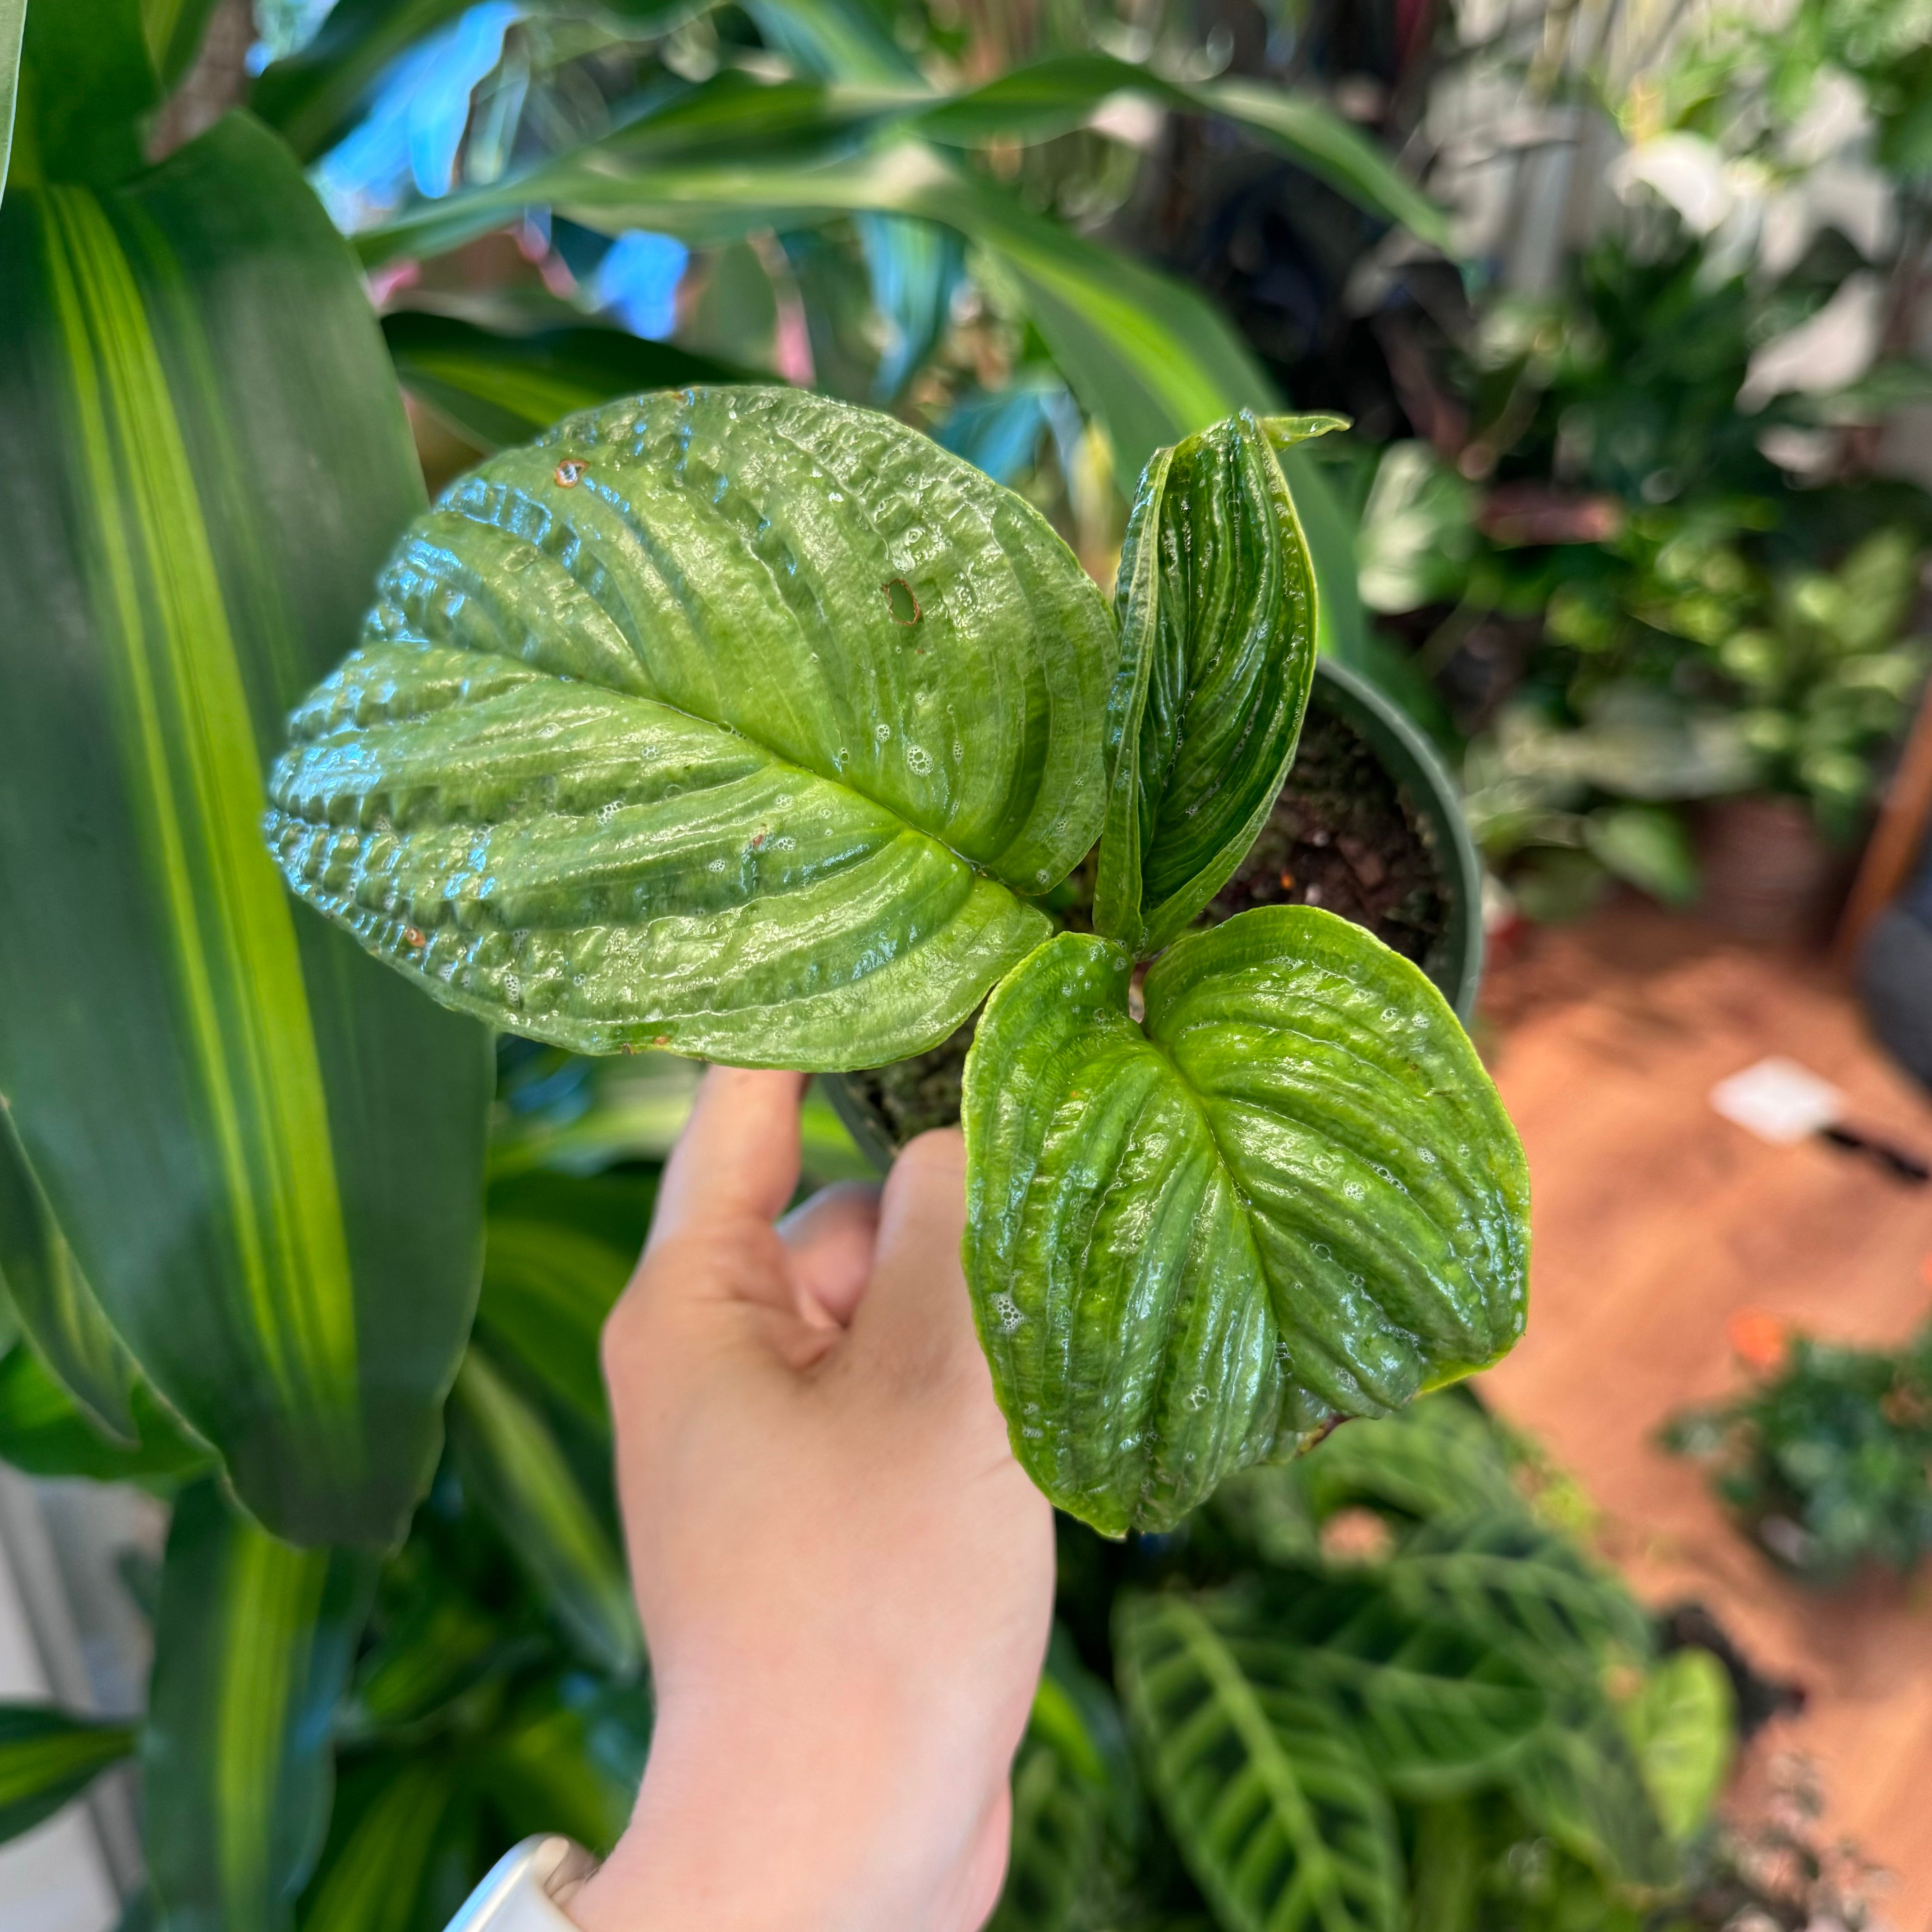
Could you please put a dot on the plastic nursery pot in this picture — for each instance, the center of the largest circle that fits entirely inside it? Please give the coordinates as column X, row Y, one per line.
column 1453, row 960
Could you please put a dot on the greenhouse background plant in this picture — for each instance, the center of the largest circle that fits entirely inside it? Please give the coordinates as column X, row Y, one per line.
column 1827, row 1461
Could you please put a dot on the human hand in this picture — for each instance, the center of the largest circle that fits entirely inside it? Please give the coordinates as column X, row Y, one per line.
column 845, row 1580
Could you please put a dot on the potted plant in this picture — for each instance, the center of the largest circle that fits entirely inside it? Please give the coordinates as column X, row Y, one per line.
column 1366, row 824
column 752, row 724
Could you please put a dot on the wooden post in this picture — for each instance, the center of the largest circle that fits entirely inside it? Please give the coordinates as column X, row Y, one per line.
column 1903, row 820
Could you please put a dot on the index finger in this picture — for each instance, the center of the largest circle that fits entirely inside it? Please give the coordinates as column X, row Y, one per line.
column 737, row 1159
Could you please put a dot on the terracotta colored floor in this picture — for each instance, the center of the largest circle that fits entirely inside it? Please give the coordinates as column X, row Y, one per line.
column 1654, row 1221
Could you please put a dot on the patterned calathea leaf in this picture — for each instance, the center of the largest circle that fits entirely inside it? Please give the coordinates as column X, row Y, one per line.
column 736, row 720
column 1216, row 601
column 1272, row 1802
column 1292, row 1193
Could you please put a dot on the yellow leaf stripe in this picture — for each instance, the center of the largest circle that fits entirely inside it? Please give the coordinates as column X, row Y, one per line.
column 273, row 1593
column 193, row 775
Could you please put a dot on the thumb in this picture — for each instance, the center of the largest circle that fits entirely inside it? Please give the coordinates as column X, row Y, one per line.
column 737, row 1159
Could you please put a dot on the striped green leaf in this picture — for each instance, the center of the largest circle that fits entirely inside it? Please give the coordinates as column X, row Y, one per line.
column 1073, row 1797
column 1440, row 1458
column 1217, row 609
column 1276, row 1809
column 1578, row 1781
column 566, row 1761
column 737, row 722
column 13, row 25
column 1292, row 1194
column 391, row 1831
column 547, row 1288
column 252, row 1648
column 51, row 1297
column 1439, row 1710
column 48, row 1756
column 494, row 390
column 45, row 1431
column 87, row 82
column 266, row 1153
column 510, row 1460
column 1523, row 1587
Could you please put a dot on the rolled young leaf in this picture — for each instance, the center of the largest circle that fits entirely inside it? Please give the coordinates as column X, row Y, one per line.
column 266, row 1152
column 1217, row 608
column 732, row 721
column 48, row 1756
column 1274, row 1804
column 252, row 1648
column 1295, row 1195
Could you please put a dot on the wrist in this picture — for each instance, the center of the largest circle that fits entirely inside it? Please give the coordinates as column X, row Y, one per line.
column 754, row 1822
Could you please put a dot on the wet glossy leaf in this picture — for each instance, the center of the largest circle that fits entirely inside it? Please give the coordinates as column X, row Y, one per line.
column 511, row 1460
column 252, row 1648
column 1295, row 1194
column 266, row 1152
column 1276, row 1810
column 635, row 752
column 52, row 1298
column 1217, row 609
column 48, row 1756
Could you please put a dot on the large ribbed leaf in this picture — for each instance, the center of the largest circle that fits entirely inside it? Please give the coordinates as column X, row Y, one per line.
column 48, row 1756
column 1217, row 609
column 510, row 1458
column 87, row 79
column 252, row 1647
column 1295, row 1194
column 52, row 1298
column 1274, row 1807
column 266, row 1152
column 733, row 721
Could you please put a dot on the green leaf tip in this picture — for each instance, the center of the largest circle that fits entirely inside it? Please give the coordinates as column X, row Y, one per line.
column 643, row 745
column 1291, row 1194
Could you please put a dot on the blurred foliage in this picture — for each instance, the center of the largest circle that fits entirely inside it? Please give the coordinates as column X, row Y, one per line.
column 1826, row 1461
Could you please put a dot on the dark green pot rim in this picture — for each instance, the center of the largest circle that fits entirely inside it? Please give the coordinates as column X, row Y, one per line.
column 1456, row 964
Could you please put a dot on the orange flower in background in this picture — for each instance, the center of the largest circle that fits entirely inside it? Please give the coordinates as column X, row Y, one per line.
column 1759, row 1339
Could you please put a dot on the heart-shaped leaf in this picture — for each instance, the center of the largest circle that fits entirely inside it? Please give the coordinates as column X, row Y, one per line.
column 738, row 721
column 1295, row 1194
column 1217, row 606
